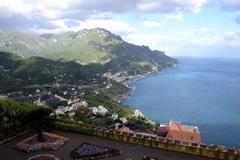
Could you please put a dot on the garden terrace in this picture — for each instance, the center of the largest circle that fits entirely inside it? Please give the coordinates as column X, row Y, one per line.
column 127, row 150
column 211, row 151
column 218, row 152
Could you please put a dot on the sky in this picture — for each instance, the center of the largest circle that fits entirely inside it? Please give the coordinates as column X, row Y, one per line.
column 208, row 28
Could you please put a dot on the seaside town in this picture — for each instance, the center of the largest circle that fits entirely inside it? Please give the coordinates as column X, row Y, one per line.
column 172, row 130
column 119, row 80
column 88, row 109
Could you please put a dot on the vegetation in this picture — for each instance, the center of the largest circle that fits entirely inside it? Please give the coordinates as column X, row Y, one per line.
column 116, row 90
column 37, row 117
column 141, row 124
column 17, row 72
column 44, row 73
column 94, row 99
column 14, row 115
column 72, row 127
column 97, row 46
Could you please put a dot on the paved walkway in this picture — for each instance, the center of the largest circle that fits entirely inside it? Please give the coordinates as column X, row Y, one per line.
column 128, row 151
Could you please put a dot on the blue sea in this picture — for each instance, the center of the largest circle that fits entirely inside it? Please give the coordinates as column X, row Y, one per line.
column 200, row 91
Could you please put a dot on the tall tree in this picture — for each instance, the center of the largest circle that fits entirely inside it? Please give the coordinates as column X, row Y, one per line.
column 10, row 110
column 38, row 118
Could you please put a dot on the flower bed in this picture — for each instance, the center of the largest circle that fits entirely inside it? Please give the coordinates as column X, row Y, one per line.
column 52, row 142
column 43, row 157
column 89, row 151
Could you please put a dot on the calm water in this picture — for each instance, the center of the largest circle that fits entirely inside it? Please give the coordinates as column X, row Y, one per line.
column 202, row 92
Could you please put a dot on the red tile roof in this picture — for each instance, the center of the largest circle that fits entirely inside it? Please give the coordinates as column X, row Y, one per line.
column 183, row 133
column 163, row 130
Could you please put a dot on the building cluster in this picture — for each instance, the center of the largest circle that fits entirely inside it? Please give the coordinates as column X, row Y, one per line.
column 172, row 131
column 124, row 123
column 138, row 114
column 70, row 110
column 99, row 111
column 118, row 77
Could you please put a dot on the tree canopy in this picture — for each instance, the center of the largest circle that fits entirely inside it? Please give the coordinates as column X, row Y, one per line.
column 15, row 114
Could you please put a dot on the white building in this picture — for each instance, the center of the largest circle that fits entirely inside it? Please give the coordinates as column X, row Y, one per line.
column 76, row 105
column 3, row 97
column 84, row 103
column 114, row 116
column 123, row 119
column 39, row 102
column 100, row 110
column 65, row 109
column 94, row 110
column 59, row 112
column 71, row 114
column 138, row 114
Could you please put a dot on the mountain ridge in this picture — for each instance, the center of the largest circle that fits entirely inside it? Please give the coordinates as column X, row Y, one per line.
column 47, row 66
column 85, row 47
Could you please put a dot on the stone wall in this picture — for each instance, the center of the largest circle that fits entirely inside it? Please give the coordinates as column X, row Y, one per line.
column 212, row 151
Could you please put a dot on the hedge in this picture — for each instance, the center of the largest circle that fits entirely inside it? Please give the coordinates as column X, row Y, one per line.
column 75, row 123
column 72, row 128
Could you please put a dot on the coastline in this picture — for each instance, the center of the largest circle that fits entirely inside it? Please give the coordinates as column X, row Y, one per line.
column 137, row 78
column 126, row 95
column 188, row 71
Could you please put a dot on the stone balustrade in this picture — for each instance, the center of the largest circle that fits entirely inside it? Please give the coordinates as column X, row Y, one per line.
column 213, row 151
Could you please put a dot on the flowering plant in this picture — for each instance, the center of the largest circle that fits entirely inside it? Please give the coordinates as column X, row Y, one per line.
column 52, row 142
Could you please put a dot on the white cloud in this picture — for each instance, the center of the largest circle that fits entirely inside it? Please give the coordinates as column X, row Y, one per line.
column 197, row 5
column 115, row 26
column 176, row 42
column 148, row 6
column 111, row 25
column 200, row 32
column 19, row 6
column 154, row 41
column 237, row 19
column 151, row 24
column 232, row 6
column 178, row 16
column 171, row 5
column 24, row 14
column 101, row 15
column 233, row 36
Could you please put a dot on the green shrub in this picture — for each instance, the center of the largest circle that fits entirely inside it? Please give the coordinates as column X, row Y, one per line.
column 72, row 128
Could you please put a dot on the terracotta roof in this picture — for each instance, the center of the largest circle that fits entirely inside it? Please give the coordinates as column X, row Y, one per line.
column 164, row 128
column 184, row 133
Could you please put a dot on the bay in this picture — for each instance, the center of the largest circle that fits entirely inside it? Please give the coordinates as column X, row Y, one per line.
column 204, row 92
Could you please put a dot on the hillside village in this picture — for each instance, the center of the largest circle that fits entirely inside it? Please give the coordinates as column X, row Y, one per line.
column 86, row 92
column 112, row 120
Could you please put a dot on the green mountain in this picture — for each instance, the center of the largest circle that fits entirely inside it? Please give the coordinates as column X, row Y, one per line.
column 86, row 47
column 16, row 71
